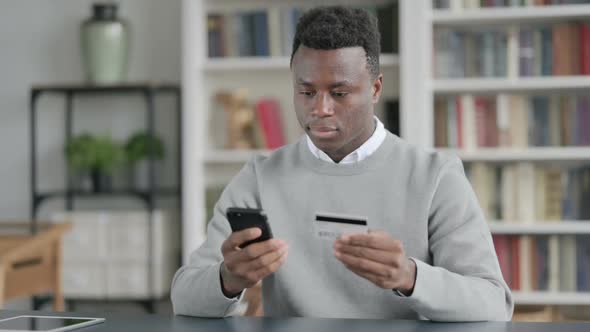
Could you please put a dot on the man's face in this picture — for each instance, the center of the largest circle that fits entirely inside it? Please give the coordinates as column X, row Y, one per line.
column 334, row 95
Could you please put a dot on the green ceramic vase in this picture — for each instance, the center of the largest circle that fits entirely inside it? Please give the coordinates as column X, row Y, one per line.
column 105, row 45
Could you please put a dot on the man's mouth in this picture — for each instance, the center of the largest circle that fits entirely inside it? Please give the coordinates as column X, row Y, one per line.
column 323, row 131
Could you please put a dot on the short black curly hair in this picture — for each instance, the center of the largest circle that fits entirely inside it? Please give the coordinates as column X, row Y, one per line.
column 329, row 28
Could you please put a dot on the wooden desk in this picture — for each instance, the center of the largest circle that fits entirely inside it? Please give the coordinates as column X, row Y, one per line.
column 31, row 265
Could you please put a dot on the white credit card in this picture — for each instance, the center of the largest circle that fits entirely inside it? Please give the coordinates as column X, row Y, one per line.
column 332, row 225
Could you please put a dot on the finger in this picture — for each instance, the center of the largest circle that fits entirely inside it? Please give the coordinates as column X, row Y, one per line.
column 375, row 241
column 271, row 268
column 378, row 232
column 379, row 281
column 255, row 250
column 388, row 258
column 269, row 258
column 366, row 265
column 237, row 238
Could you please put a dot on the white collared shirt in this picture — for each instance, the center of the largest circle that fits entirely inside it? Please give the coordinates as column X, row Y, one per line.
column 363, row 151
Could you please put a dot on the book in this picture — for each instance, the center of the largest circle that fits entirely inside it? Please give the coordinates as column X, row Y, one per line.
column 567, row 262
column 584, row 37
column 502, row 247
column 260, row 33
column 554, row 265
column 468, row 123
column 215, row 33
column 269, row 115
column 526, row 52
column 583, row 263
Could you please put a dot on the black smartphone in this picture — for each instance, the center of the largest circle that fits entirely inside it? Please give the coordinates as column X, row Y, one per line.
column 242, row 218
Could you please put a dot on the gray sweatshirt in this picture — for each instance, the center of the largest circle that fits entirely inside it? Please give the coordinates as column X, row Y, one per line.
column 422, row 198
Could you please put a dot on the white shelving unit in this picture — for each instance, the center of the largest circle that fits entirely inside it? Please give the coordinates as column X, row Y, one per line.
column 571, row 154
column 277, row 63
column 412, row 80
column 418, row 89
column 547, row 227
column 551, row 298
column 523, row 85
column 205, row 162
column 509, row 15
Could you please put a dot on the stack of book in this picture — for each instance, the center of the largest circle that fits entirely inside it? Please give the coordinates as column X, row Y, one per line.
column 457, row 5
column 545, row 263
column 528, row 193
column 470, row 122
column 548, row 50
column 270, row 32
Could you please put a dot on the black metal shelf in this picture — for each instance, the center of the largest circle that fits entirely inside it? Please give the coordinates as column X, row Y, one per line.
column 143, row 195
column 146, row 90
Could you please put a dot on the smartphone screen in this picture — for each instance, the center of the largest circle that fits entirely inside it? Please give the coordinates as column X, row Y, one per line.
column 243, row 218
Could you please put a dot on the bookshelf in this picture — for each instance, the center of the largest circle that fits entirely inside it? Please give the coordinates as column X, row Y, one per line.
column 274, row 63
column 551, row 298
column 561, row 154
column 408, row 75
column 512, row 85
column 208, row 164
column 419, row 79
column 541, row 227
column 509, row 15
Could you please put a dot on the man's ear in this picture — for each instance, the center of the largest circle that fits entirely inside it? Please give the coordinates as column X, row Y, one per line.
column 377, row 88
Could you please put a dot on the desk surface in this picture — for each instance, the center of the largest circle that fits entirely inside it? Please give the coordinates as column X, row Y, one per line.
column 148, row 323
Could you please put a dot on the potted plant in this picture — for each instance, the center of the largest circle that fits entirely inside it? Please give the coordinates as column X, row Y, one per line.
column 139, row 149
column 96, row 157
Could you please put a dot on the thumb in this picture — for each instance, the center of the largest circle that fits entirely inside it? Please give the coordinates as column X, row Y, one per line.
column 378, row 232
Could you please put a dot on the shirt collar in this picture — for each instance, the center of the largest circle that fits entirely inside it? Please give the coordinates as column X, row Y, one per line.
column 362, row 152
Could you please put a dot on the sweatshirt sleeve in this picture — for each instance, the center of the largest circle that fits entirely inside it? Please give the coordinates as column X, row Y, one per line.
column 196, row 287
column 464, row 282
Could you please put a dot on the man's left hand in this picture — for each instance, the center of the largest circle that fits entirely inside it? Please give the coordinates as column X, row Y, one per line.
column 378, row 257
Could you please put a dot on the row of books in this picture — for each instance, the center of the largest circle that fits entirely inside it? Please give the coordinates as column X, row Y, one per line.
column 473, row 4
column 527, row 193
column 247, row 33
column 545, row 263
column 270, row 32
column 550, row 50
column 510, row 120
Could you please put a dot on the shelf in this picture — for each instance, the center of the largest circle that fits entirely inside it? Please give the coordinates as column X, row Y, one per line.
column 85, row 87
column 484, row 154
column 541, row 227
column 520, row 84
column 232, row 156
column 508, row 15
column 551, row 298
column 271, row 63
column 527, row 154
column 142, row 194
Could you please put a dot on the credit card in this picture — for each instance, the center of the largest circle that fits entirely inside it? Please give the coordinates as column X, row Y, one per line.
column 332, row 225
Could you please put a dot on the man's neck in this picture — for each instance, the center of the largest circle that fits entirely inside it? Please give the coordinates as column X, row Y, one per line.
column 340, row 154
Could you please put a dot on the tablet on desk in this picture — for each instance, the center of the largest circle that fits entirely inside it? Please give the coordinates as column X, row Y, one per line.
column 46, row 323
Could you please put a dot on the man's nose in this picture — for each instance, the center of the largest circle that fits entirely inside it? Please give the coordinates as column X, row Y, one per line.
column 323, row 105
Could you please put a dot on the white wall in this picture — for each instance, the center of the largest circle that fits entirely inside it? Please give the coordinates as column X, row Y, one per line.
column 39, row 43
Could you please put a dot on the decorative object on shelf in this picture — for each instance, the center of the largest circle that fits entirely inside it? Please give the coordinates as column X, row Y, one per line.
column 140, row 147
column 105, row 45
column 96, row 157
column 240, row 118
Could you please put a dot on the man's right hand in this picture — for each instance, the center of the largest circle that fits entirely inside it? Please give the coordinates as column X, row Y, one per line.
column 243, row 267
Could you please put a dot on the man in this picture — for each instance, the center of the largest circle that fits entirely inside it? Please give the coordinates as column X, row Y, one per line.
column 428, row 254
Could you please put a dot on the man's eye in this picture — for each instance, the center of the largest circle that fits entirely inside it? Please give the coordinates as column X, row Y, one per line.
column 339, row 94
column 307, row 93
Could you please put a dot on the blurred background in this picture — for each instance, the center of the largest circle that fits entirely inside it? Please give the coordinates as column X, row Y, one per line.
column 122, row 121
